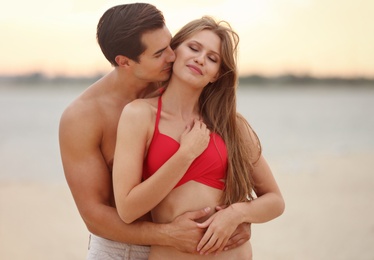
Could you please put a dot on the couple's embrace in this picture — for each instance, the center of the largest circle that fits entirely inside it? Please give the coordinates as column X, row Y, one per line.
column 178, row 154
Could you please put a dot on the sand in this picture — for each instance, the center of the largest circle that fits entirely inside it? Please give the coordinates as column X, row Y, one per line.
column 329, row 215
column 40, row 221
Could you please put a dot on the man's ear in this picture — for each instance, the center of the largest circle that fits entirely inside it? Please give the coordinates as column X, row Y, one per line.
column 122, row 60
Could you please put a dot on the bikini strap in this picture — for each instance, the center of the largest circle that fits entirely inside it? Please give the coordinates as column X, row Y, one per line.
column 158, row 115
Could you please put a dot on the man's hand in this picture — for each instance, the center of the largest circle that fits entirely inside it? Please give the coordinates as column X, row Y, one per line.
column 184, row 233
column 222, row 232
column 241, row 235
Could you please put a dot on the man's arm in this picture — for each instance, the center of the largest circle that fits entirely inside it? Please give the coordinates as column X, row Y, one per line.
column 88, row 176
column 90, row 182
column 182, row 234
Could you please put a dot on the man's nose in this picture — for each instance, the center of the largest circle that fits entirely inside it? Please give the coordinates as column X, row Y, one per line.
column 171, row 57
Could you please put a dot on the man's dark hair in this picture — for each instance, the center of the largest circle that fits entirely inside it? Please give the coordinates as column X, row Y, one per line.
column 121, row 27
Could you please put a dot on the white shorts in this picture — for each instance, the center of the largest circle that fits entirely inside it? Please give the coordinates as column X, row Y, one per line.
column 102, row 249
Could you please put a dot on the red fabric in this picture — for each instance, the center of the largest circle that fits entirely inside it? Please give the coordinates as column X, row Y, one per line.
column 209, row 168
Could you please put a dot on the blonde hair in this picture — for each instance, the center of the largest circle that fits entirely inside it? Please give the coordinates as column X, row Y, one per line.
column 217, row 104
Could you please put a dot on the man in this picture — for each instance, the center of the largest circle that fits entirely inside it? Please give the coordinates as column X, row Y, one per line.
column 135, row 40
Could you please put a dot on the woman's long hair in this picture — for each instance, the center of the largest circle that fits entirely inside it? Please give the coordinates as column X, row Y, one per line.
column 217, row 105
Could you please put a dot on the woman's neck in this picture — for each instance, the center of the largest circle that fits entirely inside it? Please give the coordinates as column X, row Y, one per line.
column 181, row 99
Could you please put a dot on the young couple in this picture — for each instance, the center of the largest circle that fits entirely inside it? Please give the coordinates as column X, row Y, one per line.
column 184, row 172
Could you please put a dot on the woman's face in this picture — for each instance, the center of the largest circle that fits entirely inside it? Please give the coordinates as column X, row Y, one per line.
column 198, row 58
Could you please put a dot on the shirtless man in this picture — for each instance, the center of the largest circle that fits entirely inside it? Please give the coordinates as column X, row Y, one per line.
column 135, row 40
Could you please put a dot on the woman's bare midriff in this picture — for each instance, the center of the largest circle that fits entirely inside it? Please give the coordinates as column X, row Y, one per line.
column 188, row 197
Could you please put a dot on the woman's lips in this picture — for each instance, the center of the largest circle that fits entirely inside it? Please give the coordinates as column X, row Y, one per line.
column 196, row 69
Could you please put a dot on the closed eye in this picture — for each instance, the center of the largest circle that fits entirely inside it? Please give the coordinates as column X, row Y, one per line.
column 213, row 59
column 159, row 52
column 193, row 49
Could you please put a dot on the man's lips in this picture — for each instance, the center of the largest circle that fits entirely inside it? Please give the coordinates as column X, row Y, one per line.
column 196, row 69
column 167, row 68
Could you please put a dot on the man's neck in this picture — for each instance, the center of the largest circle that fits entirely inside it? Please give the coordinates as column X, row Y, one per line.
column 126, row 86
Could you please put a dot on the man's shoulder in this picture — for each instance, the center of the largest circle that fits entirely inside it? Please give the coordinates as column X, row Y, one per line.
column 81, row 106
column 83, row 110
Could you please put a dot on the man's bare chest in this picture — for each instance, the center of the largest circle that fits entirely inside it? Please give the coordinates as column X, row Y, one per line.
column 108, row 144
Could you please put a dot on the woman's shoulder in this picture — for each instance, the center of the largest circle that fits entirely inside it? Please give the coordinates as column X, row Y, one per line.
column 140, row 107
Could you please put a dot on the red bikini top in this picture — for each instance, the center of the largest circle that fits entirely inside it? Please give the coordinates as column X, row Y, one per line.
column 209, row 168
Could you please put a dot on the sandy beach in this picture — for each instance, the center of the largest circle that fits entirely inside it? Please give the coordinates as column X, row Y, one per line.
column 329, row 215
column 40, row 221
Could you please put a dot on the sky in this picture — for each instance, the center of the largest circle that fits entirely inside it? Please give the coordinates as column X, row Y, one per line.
column 303, row 37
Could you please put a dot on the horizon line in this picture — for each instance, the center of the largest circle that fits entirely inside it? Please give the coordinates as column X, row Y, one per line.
column 42, row 75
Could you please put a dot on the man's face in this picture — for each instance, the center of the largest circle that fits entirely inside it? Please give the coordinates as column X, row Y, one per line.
column 155, row 62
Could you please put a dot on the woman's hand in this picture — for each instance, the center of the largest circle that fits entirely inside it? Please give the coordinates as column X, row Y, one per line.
column 220, row 227
column 195, row 139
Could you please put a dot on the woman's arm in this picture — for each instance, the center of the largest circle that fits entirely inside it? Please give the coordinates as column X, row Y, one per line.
column 267, row 205
column 135, row 198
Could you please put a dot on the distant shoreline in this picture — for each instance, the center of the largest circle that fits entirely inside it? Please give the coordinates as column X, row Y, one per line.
column 249, row 80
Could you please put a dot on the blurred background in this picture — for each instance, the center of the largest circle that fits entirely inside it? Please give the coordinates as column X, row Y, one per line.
column 306, row 86
column 313, row 37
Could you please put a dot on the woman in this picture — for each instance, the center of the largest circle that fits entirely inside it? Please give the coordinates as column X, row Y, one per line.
column 195, row 121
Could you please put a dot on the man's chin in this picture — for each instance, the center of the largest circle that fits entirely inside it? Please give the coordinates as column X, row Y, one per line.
column 166, row 76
